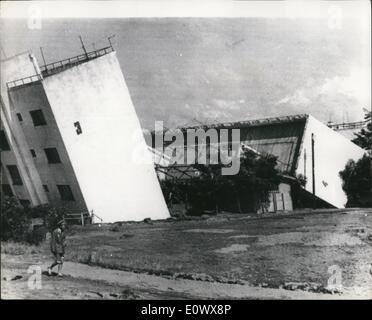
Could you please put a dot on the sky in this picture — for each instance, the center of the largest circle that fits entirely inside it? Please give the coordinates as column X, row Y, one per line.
column 189, row 70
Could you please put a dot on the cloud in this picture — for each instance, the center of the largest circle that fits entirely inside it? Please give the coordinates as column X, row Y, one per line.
column 357, row 85
column 228, row 104
column 352, row 91
column 298, row 98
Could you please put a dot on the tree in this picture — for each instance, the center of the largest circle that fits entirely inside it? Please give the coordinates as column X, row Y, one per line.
column 357, row 182
column 249, row 189
column 364, row 136
column 257, row 176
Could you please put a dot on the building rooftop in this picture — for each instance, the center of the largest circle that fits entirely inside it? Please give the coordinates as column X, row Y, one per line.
column 59, row 66
column 245, row 123
column 279, row 136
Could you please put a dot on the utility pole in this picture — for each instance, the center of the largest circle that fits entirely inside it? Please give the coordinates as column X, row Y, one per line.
column 42, row 55
column 83, row 47
column 305, row 163
column 313, row 167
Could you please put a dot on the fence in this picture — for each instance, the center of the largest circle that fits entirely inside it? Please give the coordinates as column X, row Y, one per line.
column 84, row 217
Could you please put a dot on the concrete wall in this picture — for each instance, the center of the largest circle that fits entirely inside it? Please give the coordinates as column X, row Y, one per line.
column 13, row 68
column 332, row 151
column 113, row 183
column 32, row 97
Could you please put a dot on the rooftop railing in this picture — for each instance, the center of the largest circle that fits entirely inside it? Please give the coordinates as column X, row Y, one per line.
column 23, row 81
column 58, row 66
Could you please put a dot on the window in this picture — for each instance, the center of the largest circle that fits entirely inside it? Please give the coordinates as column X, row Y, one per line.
column 14, row 174
column 52, row 155
column 4, row 145
column 24, row 203
column 38, row 118
column 33, row 153
column 46, row 189
column 65, row 192
column 7, row 190
column 19, row 116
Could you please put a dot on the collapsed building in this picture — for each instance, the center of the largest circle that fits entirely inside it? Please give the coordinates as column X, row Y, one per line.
column 67, row 138
column 303, row 145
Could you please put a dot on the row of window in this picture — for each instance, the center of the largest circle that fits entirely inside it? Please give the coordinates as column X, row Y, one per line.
column 64, row 190
column 38, row 119
column 51, row 153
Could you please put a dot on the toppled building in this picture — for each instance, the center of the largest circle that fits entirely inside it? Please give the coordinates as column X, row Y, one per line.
column 303, row 146
column 69, row 133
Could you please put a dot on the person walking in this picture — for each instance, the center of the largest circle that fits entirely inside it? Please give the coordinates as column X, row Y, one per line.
column 57, row 247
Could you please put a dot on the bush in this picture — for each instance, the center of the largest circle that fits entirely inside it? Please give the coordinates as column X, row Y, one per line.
column 357, row 182
column 51, row 215
column 37, row 235
column 15, row 223
column 115, row 228
column 18, row 248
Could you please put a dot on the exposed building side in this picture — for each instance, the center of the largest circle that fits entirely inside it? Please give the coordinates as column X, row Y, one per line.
column 115, row 182
column 331, row 153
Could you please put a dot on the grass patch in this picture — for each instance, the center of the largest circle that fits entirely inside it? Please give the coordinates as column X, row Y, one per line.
column 19, row 248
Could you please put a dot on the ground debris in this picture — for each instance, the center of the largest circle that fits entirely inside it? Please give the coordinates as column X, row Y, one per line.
column 263, row 285
column 115, row 228
column 206, row 278
column 194, row 276
column 309, row 286
column 128, row 294
column 126, row 236
column 114, row 295
column 96, row 293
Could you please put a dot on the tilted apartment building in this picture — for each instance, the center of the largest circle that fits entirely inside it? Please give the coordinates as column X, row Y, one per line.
column 70, row 137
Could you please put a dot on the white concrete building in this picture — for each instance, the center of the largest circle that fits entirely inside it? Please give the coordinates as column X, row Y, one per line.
column 70, row 136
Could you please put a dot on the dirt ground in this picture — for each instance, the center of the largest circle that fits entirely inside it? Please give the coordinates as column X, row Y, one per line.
column 227, row 256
